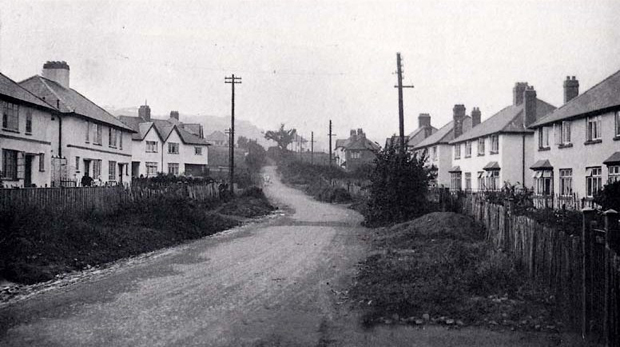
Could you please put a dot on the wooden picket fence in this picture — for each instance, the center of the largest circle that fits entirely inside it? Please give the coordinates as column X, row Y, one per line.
column 582, row 271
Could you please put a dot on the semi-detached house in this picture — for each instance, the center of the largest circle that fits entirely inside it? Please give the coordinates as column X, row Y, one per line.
column 577, row 148
column 499, row 150
column 28, row 125
column 90, row 141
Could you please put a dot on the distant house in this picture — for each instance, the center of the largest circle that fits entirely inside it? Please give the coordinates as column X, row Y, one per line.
column 500, row 148
column 164, row 145
column 218, row 139
column 577, row 146
column 91, row 141
column 424, row 130
column 355, row 151
column 27, row 138
column 438, row 150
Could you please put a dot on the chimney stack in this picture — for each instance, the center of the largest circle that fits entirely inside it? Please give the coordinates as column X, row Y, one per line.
column 476, row 116
column 57, row 71
column 174, row 114
column 353, row 135
column 145, row 113
column 517, row 93
column 424, row 120
column 529, row 105
column 459, row 115
column 360, row 133
column 571, row 88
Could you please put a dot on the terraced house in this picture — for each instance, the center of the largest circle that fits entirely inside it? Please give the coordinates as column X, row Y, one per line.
column 438, row 150
column 166, row 145
column 499, row 150
column 28, row 127
column 90, row 141
column 577, row 148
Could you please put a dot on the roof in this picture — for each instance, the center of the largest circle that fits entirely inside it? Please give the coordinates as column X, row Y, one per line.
column 445, row 134
column 163, row 128
column 455, row 169
column 12, row 89
column 492, row 165
column 614, row 159
column 341, row 143
column 193, row 128
column 361, row 143
column 604, row 95
column 217, row 136
column 418, row 135
column 70, row 101
column 508, row 120
column 542, row 164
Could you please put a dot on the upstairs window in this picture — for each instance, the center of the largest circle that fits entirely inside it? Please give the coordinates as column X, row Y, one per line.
column 10, row 116
column 87, row 132
column 457, row 151
column 565, row 133
column 593, row 128
column 113, row 137
column 173, row 148
column 617, row 124
column 494, row 144
column 198, row 150
column 481, row 146
column 98, row 134
column 543, row 137
column 29, row 122
column 467, row 149
column 151, row 146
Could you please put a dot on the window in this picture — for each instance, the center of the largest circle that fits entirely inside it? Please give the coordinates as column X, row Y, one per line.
column 435, row 153
column 98, row 133
column 493, row 180
column 173, row 168
column 120, row 140
column 614, row 173
column 173, row 148
column 87, row 132
column 593, row 128
column 481, row 180
column 112, row 170
column 468, row 181
column 9, row 164
column 593, row 180
column 10, row 116
column 41, row 162
column 77, row 164
column 467, row 149
column 113, row 137
column 151, row 169
column 356, row 155
column 566, row 182
column 151, row 146
column 565, row 133
column 455, row 181
column 494, row 144
column 543, row 137
column 29, row 122
column 481, row 146
column 457, row 151
column 617, row 121
column 96, row 168
column 198, row 150
column 543, row 182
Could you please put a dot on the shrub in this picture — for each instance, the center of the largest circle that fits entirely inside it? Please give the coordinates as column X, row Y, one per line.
column 609, row 196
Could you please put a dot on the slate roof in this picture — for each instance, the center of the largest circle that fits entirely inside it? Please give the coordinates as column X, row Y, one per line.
column 604, row 95
column 12, row 89
column 445, row 134
column 341, row 143
column 508, row 120
column 417, row 136
column 613, row 159
column 362, row 143
column 217, row 136
column 69, row 101
column 542, row 164
column 455, row 169
column 163, row 128
column 492, row 165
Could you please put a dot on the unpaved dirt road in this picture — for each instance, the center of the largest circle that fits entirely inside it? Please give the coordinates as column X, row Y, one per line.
column 274, row 283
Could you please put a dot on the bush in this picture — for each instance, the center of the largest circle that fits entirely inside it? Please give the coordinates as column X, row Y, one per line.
column 609, row 197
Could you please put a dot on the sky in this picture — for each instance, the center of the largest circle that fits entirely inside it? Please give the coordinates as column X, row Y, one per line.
column 303, row 63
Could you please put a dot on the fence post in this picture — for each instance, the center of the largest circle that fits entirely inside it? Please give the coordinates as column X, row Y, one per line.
column 612, row 234
column 586, row 241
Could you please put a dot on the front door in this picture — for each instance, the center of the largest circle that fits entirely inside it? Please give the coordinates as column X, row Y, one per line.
column 86, row 167
column 28, row 170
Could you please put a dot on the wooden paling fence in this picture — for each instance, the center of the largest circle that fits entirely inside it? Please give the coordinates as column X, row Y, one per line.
column 582, row 271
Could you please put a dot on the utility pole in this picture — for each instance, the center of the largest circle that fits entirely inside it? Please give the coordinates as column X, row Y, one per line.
column 401, row 112
column 312, row 147
column 330, row 142
column 232, row 80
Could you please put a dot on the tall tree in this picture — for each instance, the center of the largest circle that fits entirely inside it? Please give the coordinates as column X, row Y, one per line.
column 282, row 137
column 243, row 142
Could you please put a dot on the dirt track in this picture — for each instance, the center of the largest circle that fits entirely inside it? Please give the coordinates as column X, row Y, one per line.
column 275, row 283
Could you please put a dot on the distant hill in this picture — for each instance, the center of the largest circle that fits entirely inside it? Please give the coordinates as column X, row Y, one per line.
column 210, row 123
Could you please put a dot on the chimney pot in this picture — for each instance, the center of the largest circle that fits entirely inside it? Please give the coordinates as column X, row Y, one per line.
column 571, row 89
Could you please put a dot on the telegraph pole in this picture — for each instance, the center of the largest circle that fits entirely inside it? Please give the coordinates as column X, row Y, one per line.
column 232, row 80
column 330, row 142
column 401, row 112
column 312, row 147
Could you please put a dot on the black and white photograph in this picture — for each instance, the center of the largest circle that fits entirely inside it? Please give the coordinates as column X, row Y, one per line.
column 310, row 173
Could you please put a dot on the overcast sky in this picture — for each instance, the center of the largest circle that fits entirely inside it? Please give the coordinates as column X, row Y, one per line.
column 305, row 62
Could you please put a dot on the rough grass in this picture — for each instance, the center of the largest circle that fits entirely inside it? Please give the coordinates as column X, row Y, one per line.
column 36, row 244
column 439, row 265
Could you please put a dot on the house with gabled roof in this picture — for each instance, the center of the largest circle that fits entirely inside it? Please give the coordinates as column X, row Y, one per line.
column 424, row 130
column 26, row 138
column 356, row 151
column 164, row 145
column 91, row 141
column 499, row 150
column 577, row 147
column 438, row 150
column 218, row 139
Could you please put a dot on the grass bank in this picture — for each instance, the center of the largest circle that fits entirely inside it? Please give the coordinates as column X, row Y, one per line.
column 37, row 244
column 438, row 269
